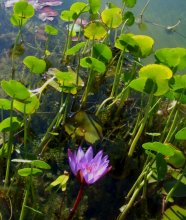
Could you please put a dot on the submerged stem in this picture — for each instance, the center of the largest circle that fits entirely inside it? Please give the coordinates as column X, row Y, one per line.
column 78, row 199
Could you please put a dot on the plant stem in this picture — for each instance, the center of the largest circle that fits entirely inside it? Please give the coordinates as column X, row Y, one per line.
column 123, row 215
column 9, row 148
column 24, row 204
column 140, row 130
column 78, row 199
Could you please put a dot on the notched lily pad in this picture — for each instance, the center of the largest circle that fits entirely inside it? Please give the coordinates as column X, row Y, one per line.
column 95, row 31
column 84, row 126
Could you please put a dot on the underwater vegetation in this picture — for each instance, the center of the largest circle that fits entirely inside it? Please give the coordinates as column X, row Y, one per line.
column 87, row 130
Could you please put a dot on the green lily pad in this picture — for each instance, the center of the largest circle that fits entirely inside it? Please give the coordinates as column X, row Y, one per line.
column 112, row 17
column 129, row 3
column 41, row 164
column 29, row 171
column 158, row 147
column 95, row 31
column 181, row 134
column 23, row 9
column 93, row 63
column 178, row 83
column 5, row 124
column 178, row 159
column 129, row 18
column 102, row 52
column 145, row 44
column 82, row 125
column 51, row 30
column 172, row 57
column 75, row 49
column 15, row 89
column 174, row 212
column 35, row 64
column 159, row 74
column 79, row 7
column 126, row 42
column 94, row 6
column 17, row 21
column 68, row 15
column 5, row 104
column 29, row 106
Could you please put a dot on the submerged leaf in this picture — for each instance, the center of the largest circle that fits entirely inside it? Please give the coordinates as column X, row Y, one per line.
column 29, row 171
column 35, row 64
column 5, row 124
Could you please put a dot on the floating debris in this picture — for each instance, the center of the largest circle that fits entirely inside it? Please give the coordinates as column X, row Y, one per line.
column 42, row 6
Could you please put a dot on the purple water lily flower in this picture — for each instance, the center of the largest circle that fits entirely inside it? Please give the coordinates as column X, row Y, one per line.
column 87, row 168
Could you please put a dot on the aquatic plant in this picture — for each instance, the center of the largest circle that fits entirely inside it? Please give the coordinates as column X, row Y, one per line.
column 87, row 169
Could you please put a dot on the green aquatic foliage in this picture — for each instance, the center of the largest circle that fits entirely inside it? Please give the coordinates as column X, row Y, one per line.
column 158, row 147
column 84, row 126
column 49, row 29
column 17, row 21
column 75, row 49
column 172, row 57
column 68, row 15
column 28, row 106
column 129, row 18
column 93, row 63
column 61, row 181
column 174, row 212
column 181, row 134
column 69, row 81
column 5, row 104
column 129, row 3
column 15, row 89
column 35, row 64
column 153, row 78
column 10, row 124
column 79, row 7
column 95, row 31
column 112, row 17
column 24, row 172
column 23, row 10
column 102, row 52
column 94, row 6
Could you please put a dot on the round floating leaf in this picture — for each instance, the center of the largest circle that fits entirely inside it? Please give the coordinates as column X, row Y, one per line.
column 75, row 49
column 174, row 212
column 79, row 7
column 94, row 6
column 155, row 72
column 35, row 64
column 15, row 89
column 17, row 21
column 178, row 83
column 5, row 124
column 41, row 164
column 126, row 41
column 29, row 171
column 93, row 63
column 51, row 30
column 172, row 57
column 158, row 147
column 129, row 3
column 112, row 17
column 23, row 9
column 177, row 160
column 129, row 18
column 102, row 52
column 5, row 104
column 145, row 44
column 95, row 31
column 161, row 167
column 68, row 15
column 29, row 106
column 181, row 134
